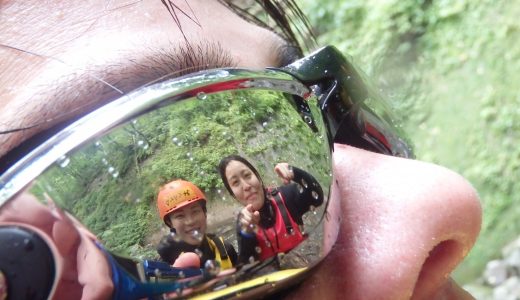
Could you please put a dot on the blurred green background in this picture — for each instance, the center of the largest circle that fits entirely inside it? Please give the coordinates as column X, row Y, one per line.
column 451, row 70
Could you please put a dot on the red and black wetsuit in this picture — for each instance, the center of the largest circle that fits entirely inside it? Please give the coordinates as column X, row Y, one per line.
column 275, row 232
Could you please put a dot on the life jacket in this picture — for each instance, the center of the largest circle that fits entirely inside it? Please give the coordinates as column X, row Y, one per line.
column 284, row 235
column 217, row 246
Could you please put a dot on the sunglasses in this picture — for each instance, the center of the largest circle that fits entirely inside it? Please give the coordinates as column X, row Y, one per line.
column 90, row 191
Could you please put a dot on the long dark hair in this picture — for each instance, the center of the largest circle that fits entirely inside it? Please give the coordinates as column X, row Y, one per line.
column 225, row 162
column 283, row 17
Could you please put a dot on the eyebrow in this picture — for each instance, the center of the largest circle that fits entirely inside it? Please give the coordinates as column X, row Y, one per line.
column 131, row 72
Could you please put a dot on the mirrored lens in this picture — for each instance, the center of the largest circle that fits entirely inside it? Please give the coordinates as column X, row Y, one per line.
column 111, row 185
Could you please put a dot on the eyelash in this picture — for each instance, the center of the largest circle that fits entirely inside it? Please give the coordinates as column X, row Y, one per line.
column 202, row 56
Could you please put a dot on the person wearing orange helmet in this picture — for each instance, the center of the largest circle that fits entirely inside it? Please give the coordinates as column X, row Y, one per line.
column 182, row 207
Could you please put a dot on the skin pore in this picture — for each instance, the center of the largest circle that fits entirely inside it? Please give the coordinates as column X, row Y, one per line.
column 405, row 223
column 189, row 223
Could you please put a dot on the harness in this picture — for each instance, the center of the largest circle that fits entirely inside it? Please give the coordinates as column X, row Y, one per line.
column 284, row 235
column 217, row 245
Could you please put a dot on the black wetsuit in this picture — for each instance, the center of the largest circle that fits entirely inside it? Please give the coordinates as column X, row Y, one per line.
column 169, row 249
column 298, row 197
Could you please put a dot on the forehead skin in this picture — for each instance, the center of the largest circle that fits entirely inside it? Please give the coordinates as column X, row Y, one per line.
column 70, row 47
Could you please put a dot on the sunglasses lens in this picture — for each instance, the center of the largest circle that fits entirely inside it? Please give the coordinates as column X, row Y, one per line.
column 110, row 184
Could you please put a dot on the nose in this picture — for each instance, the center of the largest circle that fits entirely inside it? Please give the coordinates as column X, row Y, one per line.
column 246, row 185
column 189, row 219
column 405, row 226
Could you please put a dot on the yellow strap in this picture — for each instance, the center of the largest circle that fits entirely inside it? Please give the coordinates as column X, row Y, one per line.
column 224, row 263
column 269, row 278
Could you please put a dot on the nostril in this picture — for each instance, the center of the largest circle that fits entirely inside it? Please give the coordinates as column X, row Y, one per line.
column 435, row 270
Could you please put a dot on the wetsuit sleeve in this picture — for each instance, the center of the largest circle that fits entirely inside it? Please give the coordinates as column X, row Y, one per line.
column 168, row 249
column 246, row 245
column 231, row 252
column 303, row 193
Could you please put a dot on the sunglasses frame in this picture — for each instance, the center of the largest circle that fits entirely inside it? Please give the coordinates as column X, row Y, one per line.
column 341, row 90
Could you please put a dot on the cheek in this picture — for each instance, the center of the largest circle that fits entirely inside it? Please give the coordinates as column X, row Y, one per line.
column 237, row 192
column 176, row 224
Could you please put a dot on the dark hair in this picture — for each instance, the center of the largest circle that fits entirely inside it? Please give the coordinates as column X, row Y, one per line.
column 283, row 17
column 225, row 162
column 290, row 22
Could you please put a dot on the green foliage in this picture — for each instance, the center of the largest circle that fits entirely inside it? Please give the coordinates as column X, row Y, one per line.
column 449, row 68
column 111, row 185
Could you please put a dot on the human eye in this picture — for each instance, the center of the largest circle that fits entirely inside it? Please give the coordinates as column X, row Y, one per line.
column 179, row 216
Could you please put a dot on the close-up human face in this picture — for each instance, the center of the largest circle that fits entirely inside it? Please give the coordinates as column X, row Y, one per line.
column 246, row 187
column 403, row 222
column 189, row 223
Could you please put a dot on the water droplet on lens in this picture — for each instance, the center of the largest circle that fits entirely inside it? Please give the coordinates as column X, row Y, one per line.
column 63, row 161
column 157, row 273
column 198, row 252
column 268, row 244
column 140, row 143
column 212, row 267
column 111, row 170
column 313, row 209
column 175, row 139
column 258, row 250
column 179, row 144
column 175, row 237
column 188, row 154
column 197, row 235
column 300, row 188
column 115, row 174
column 222, row 73
column 315, row 195
column 181, row 274
column 201, row 96
column 104, row 161
column 304, row 183
column 264, row 124
column 251, row 259
column 308, row 119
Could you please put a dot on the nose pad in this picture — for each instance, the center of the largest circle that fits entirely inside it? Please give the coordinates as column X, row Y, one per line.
column 26, row 262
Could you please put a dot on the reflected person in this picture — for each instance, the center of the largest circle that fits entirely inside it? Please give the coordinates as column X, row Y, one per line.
column 404, row 222
column 271, row 220
column 182, row 207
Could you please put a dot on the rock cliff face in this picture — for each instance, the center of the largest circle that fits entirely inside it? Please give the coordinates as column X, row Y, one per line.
column 501, row 277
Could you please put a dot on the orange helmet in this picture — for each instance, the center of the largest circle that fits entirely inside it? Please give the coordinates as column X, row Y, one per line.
column 177, row 194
